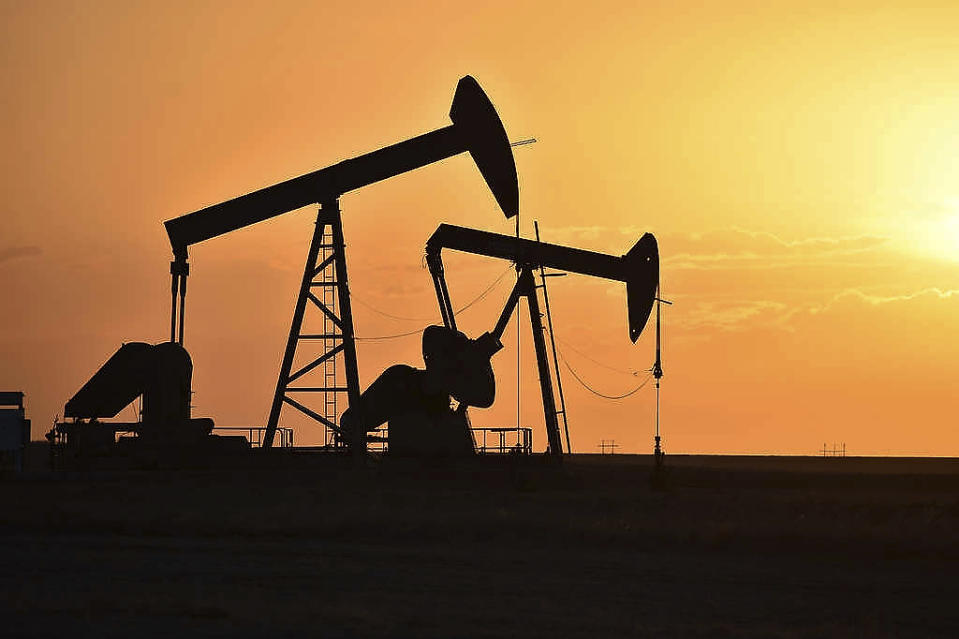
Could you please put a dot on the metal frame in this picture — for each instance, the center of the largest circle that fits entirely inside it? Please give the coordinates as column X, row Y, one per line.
column 338, row 339
column 522, row 435
column 552, row 342
column 254, row 434
column 476, row 129
column 638, row 268
column 525, row 287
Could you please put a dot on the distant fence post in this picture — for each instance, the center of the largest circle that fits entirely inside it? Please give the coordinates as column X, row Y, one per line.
column 835, row 451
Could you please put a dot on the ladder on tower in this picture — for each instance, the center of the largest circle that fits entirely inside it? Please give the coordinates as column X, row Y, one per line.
column 328, row 295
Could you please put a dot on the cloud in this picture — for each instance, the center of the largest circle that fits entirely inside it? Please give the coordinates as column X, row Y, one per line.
column 877, row 300
column 740, row 248
column 731, row 316
column 731, row 248
column 14, row 252
column 899, row 207
column 910, row 331
column 852, row 305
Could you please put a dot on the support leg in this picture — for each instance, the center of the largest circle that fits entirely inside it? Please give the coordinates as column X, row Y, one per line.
column 435, row 263
column 174, row 287
column 179, row 269
column 542, row 363
column 182, row 306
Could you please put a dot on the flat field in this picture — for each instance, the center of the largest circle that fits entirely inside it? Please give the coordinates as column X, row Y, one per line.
column 731, row 547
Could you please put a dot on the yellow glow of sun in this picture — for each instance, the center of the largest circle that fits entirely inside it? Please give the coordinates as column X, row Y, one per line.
column 939, row 237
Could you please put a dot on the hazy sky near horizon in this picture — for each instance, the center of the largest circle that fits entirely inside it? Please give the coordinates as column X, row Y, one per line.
column 797, row 163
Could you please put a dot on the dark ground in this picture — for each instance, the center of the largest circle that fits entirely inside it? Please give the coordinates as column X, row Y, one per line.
column 735, row 547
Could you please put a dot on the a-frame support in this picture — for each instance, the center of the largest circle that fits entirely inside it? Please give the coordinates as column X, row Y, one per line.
column 323, row 274
column 525, row 287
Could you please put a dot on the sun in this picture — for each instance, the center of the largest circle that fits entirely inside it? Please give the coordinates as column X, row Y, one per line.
column 934, row 235
column 944, row 237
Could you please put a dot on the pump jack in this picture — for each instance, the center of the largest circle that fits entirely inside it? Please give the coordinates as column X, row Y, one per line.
column 459, row 367
column 476, row 129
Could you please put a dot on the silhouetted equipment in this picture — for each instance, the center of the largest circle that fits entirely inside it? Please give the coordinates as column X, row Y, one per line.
column 509, row 440
column 416, row 403
column 608, row 447
column 835, row 451
column 466, row 371
column 639, row 268
column 460, row 367
column 162, row 375
column 476, row 129
column 658, row 453
column 14, row 430
column 552, row 342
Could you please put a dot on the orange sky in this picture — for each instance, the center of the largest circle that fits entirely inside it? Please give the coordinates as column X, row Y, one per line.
column 797, row 164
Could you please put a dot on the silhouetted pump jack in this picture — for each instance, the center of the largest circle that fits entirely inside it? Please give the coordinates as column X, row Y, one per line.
column 161, row 374
column 476, row 129
column 416, row 402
